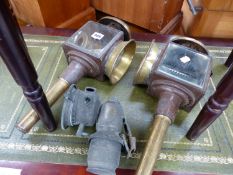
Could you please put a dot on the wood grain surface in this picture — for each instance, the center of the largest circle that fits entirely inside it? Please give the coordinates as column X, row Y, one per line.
column 149, row 14
column 54, row 13
column 223, row 5
column 215, row 20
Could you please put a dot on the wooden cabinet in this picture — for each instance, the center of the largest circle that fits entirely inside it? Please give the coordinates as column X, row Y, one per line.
column 219, row 5
column 149, row 14
column 54, row 13
column 216, row 19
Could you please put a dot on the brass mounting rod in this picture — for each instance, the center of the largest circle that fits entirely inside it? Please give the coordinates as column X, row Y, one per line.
column 154, row 144
column 52, row 95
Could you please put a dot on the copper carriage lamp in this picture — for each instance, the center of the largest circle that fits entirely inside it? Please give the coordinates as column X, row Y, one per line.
column 179, row 77
column 95, row 50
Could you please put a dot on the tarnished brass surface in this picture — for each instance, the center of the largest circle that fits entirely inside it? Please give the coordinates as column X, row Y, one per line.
column 144, row 69
column 119, row 60
column 153, row 146
column 29, row 120
column 126, row 27
column 57, row 90
column 190, row 43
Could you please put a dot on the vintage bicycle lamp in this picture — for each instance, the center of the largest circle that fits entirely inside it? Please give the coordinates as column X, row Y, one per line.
column 94, row 50
column 80, row 108
column 179, row 77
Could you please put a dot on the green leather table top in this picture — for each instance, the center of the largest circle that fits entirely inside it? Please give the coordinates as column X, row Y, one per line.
column 211, row 153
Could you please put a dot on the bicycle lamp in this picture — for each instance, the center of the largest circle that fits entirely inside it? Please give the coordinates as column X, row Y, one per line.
column 112, row 134
column 94, row 50
column 179, row 77
column 80, row 108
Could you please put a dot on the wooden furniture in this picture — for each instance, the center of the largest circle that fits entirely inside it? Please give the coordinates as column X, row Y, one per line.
column 225, row 5
column 29, row 168
column 229, row 61
column 54, row 13
column 159, row 16
column 215, row 20
column 14, row 54
column 216, row 104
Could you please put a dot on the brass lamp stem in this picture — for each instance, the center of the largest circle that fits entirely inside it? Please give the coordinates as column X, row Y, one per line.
column 166, row 111
column 71, row 75
column 154, row 144
column 52, row 95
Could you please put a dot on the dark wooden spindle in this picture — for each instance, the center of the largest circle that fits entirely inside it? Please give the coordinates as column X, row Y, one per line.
column 216, row 104
column 229, row 61
column 15, row 55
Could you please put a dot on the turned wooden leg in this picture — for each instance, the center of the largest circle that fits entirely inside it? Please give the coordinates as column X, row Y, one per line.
column 14, row 53
column 229, row 61
column 216, row 104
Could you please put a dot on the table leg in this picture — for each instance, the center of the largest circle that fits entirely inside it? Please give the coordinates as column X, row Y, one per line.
column 14, row 53
column 216, row 104
column 229, row 61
